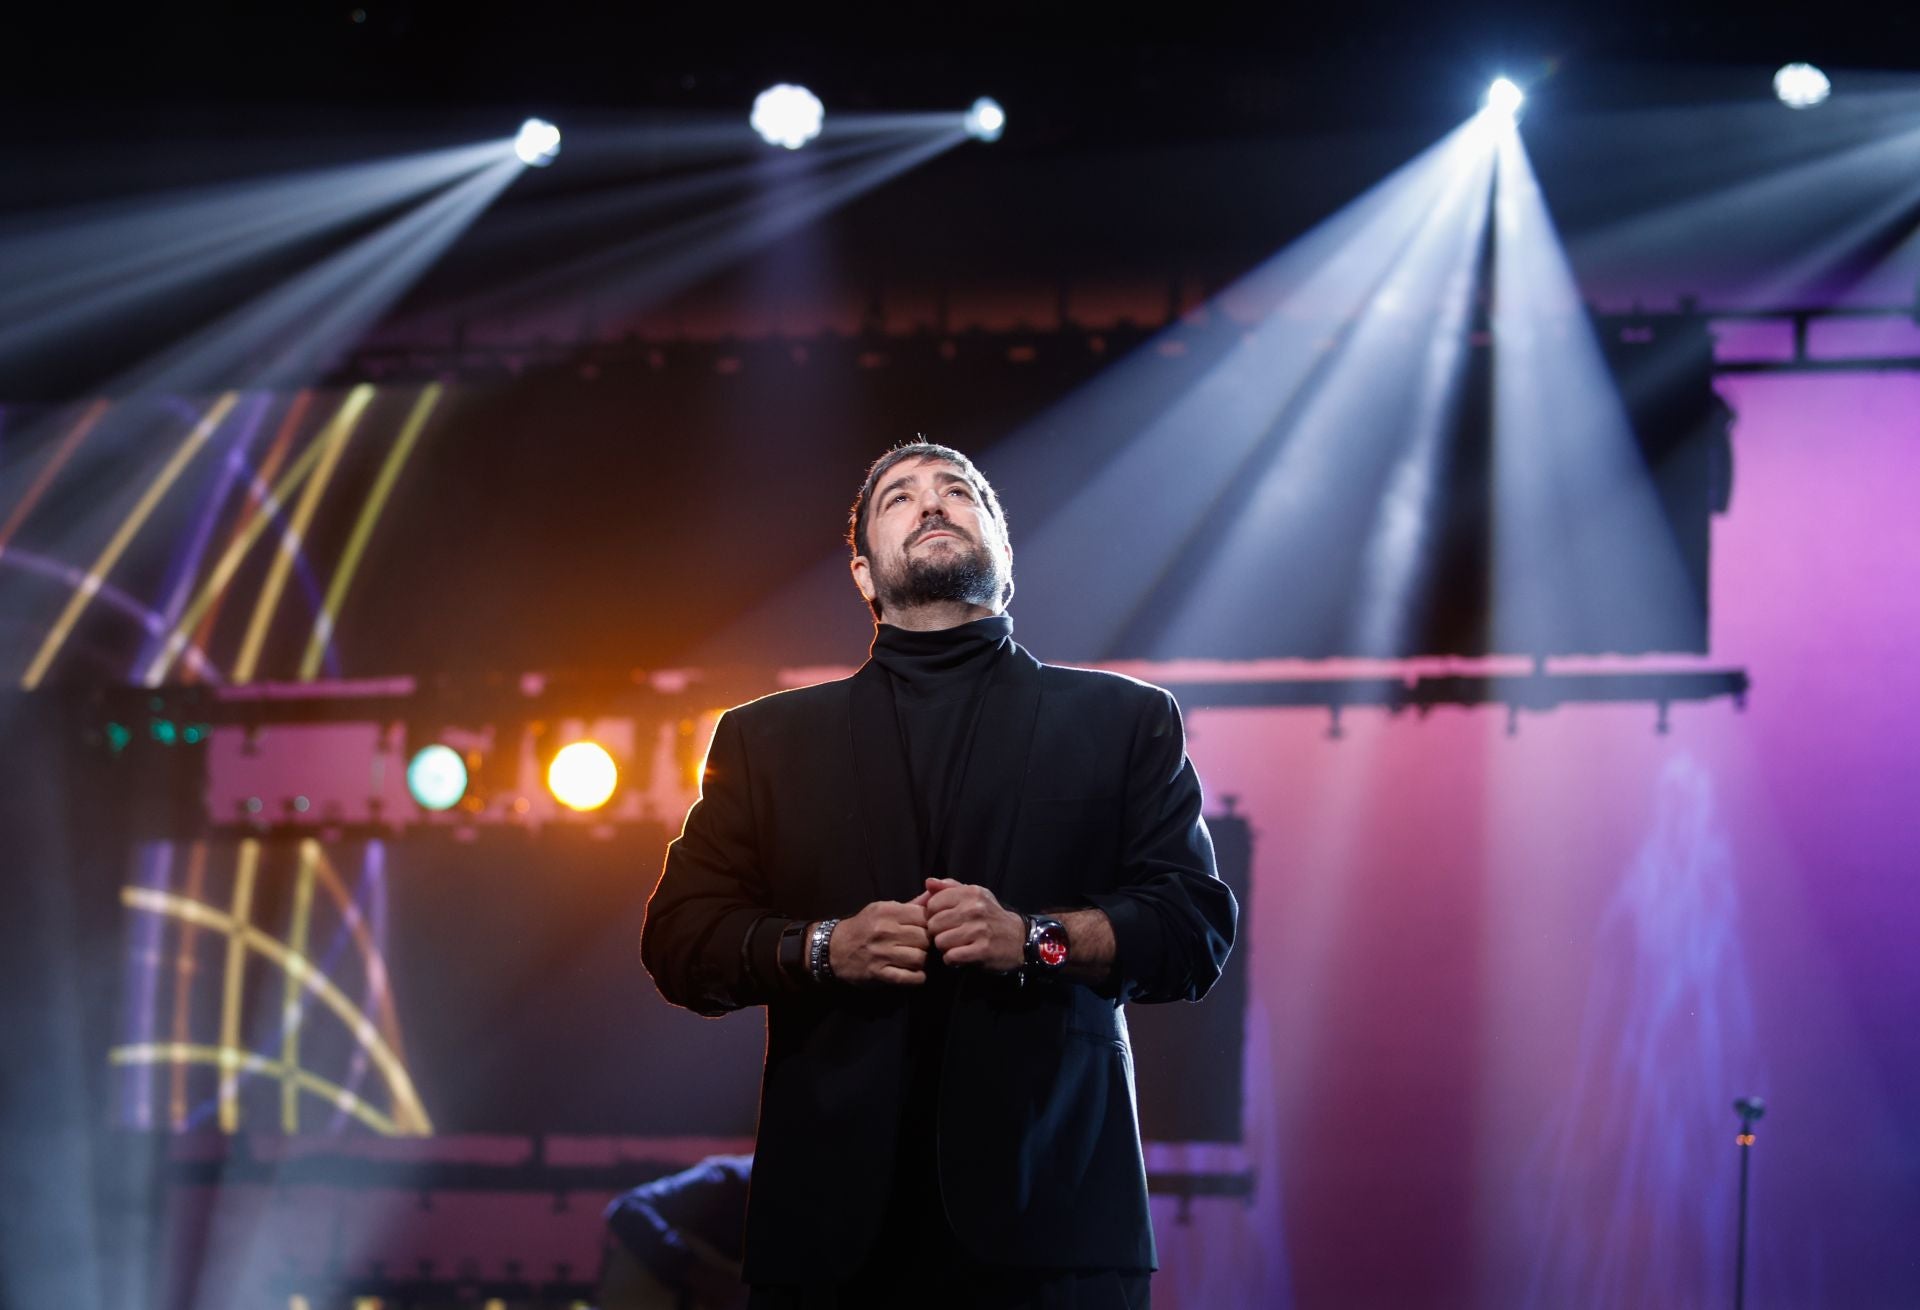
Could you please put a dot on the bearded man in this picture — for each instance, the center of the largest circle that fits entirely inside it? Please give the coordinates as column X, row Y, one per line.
column 943, row 877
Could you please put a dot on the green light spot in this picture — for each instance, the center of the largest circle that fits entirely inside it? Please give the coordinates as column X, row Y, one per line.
column 437, row 777
column 118, row 737
column 164, row 731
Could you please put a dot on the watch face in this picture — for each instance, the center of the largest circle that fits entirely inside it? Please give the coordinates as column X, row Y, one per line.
column 1050, row 945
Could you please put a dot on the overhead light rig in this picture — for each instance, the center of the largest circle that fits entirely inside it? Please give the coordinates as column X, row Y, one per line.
column 333, row 758
column 1537, row 692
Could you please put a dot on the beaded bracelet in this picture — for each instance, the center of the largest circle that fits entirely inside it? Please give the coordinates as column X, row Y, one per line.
column 819, row 953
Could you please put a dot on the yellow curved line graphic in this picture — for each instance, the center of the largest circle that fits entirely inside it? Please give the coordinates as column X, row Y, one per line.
column 229, row 564
column 409, row 1114
column 290, row 1008
column 376, row 502
column 333, row 443
column 123, row 537
column 232, row 1061
column 230, row 993
column 256, row 500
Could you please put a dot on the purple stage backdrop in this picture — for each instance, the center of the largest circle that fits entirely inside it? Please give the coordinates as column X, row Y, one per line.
column 1506, row 989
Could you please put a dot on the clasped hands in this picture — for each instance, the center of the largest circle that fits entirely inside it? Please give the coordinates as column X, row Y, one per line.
column 888, row 941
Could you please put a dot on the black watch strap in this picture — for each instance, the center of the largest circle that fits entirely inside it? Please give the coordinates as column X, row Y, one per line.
column 793, row 951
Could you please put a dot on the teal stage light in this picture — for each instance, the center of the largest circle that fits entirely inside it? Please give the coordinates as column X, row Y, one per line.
column 437, row 777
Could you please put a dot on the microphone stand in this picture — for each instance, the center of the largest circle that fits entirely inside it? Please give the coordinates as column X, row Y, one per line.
column 1750, row 1109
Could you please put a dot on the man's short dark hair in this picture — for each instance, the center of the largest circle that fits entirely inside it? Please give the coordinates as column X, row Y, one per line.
column 922, row 449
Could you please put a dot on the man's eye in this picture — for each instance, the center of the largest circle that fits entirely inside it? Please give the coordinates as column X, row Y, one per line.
column 896, row 497
column 960, row 491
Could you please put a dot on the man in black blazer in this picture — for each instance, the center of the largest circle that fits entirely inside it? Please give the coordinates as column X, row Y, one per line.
column 943, row 877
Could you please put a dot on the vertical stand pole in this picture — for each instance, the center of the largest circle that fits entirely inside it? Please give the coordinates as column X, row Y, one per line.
column 1740, row 1261
column 1750, row 1109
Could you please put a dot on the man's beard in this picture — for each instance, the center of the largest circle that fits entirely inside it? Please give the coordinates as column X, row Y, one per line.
column 966, row 574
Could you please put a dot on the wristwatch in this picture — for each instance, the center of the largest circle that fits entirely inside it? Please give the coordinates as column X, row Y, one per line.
column 791, row 954
column 1046, row 944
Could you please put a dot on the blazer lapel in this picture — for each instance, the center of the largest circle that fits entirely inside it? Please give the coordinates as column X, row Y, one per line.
column 885, row 791
column 980, row 834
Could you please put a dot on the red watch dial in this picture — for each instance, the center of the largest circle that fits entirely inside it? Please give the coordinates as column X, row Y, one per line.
column 1051, row 950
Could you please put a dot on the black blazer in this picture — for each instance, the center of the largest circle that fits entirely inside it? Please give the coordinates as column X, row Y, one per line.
column 1078, row 792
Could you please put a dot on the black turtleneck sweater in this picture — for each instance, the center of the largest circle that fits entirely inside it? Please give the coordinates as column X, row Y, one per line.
column 939, row 679
column 939, row 682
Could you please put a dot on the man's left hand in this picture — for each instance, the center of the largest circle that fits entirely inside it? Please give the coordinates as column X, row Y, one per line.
column 970, row 926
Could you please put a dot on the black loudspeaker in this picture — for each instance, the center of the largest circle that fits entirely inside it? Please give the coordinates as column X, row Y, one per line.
column 1189, row 1058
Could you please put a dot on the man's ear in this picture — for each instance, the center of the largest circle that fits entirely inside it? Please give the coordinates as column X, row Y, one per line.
column 863, row 577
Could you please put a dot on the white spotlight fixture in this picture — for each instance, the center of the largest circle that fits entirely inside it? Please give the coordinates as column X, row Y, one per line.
column 986, row 120
column 787, row 115
column 1504, row 98
column 1801, row 86
column 538, row 142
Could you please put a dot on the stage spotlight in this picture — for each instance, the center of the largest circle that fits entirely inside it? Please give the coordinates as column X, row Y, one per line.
column 787, row 115
column 437, row 777
column 986, row 120
column 1504, row 98
column 582, row 776
column 1801, row 86
column 538, row 142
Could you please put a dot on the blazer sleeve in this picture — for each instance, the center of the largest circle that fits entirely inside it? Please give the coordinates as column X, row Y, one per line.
column 1173, row 918
column 710, row 940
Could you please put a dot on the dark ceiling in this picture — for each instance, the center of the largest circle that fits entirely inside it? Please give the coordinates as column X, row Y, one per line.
column 1073, row 70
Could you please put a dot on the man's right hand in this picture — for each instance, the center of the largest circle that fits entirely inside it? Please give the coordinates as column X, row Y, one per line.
column 885, row 943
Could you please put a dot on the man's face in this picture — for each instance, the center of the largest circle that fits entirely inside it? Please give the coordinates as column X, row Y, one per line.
column 931, row 540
